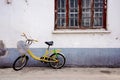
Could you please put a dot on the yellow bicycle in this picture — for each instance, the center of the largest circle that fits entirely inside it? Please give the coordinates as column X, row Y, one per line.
column 54, row 57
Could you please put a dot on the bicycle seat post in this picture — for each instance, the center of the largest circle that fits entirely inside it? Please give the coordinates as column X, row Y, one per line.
column 48, row 48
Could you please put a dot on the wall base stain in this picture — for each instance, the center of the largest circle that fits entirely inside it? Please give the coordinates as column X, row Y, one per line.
column 75, row 57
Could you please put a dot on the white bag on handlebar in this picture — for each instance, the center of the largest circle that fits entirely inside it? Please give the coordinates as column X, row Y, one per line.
column 22, row 47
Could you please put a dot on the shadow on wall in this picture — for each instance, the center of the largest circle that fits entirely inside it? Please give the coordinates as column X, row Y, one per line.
column 2, row 49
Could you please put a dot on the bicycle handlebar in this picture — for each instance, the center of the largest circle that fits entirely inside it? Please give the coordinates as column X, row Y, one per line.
column 29, row 41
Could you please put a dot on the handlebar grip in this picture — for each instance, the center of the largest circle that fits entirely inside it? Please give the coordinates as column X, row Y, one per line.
column 24, row 35
column 36, row 40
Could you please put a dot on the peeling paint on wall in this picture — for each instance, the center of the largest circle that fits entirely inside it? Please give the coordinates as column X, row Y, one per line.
column 9, row 1
column 2, row 52
column 26, row 1
column 2, row 49
column 117, row 38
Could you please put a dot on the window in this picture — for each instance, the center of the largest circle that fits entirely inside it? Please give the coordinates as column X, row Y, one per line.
column 80, row 14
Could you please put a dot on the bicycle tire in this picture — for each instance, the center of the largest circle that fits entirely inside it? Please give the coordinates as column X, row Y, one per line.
column 18, row 65
column 58, row 65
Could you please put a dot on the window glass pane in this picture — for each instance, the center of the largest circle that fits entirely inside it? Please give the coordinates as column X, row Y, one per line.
column 98, row 5
column 76, row 3
column 76, row 15
column 98, row 1
column 76, row 22
column 73, row 22
column 86, row 3
column 71, row 3
column 86, row 22
column 61, row 14
column 61, row 23
column 62, row 3
column 86, row 13
column 58, row 22
column 98, row 13
column 59, row 3
column 98, row 22
column 98, row 10
column 71, row 10
column 73, row 13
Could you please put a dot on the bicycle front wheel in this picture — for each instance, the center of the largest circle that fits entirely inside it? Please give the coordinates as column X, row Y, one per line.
column 61, row 61
column 20, row 62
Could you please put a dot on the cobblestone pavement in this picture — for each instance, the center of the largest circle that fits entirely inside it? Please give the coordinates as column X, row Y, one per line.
column 45, row 73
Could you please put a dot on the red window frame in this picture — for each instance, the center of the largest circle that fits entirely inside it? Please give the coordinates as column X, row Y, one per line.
column 104, row 16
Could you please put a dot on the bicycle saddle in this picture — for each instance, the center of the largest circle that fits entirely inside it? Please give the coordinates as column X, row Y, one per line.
column 50, row 43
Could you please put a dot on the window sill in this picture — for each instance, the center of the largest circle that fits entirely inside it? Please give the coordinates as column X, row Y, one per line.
column 87, row 31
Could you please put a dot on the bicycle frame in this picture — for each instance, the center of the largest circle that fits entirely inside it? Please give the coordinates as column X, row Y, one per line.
column 55, row 51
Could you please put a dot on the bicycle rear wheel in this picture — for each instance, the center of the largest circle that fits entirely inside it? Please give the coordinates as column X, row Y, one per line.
column 61, row 61
column 20, row 62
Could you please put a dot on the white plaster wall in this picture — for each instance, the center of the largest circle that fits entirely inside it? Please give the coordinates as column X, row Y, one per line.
column 36, row 18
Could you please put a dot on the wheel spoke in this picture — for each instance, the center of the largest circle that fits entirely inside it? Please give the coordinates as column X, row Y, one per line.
column 20, row 62
column 60, row 63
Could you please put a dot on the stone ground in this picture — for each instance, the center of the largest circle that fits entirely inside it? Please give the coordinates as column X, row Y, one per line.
column 46, row 73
